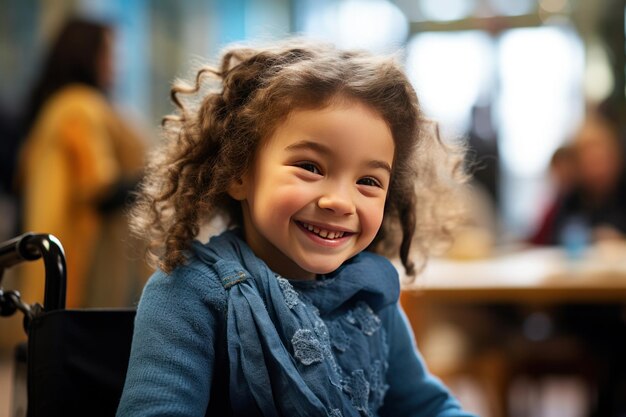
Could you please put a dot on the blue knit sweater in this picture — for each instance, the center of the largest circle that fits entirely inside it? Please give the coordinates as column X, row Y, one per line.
column 219, row 336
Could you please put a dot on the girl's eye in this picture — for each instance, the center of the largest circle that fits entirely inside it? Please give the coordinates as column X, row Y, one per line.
column 309, row 166
column 370, row 182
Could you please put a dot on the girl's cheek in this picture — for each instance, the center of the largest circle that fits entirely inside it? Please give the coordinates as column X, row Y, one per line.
column 373, row 215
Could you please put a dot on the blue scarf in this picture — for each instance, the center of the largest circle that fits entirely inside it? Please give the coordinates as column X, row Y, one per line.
column 280, row 363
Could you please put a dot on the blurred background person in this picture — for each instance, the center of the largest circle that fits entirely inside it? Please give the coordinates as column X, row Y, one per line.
column 598, row 200
column 562, row 175
column 77, row 165
column 589, row 207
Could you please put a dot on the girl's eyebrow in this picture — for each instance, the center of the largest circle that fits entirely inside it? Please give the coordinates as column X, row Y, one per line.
column 379, row 164
column 308, row 144
column 325, row 150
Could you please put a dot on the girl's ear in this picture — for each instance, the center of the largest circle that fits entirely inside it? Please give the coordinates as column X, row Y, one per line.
column 238, row 189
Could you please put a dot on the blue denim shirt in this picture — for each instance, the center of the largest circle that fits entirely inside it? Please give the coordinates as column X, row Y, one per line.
column 337, row 346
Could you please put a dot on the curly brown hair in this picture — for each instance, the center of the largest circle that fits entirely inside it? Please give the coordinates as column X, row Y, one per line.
column 225, row 114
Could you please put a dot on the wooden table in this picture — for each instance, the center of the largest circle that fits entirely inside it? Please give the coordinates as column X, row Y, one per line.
column 533, row 274
column 530, row 278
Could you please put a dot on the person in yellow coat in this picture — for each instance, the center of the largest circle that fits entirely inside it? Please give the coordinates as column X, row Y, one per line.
column 78, row 163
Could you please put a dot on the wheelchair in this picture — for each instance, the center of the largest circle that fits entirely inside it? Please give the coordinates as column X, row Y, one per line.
column 75, row 360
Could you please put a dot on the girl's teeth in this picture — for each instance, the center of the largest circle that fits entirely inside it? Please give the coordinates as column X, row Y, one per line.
column 323, row 233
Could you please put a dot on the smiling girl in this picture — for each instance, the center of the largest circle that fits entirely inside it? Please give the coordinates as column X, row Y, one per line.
column 315, row 157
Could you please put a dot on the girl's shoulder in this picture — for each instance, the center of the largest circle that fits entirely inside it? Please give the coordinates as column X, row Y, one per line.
column 191, row 281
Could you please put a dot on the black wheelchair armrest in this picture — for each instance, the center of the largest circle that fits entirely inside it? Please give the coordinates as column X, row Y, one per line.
column 30, row 247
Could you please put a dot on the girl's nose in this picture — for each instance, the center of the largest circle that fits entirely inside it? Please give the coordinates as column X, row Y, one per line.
column 339, row 203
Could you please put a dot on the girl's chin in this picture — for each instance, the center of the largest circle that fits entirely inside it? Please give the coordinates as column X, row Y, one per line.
column 321, row 268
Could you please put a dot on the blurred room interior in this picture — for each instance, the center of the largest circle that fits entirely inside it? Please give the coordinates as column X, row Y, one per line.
column 514, row 327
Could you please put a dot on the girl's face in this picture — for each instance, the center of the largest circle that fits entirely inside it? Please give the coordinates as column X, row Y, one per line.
column 316, row 193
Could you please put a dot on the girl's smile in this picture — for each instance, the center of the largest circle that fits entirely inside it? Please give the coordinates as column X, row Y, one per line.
column 330, row 236
column 315, row 195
